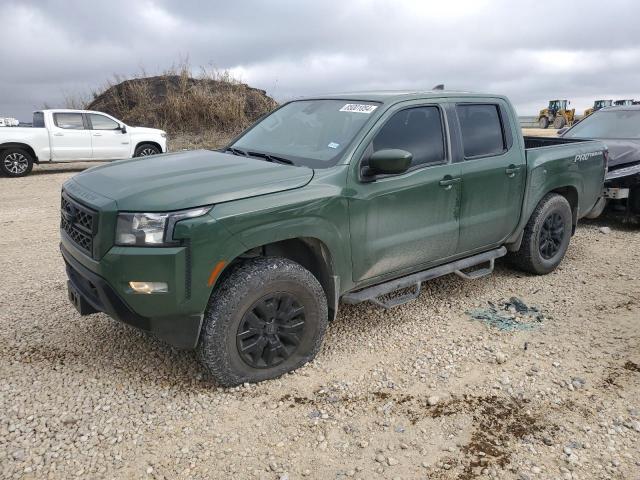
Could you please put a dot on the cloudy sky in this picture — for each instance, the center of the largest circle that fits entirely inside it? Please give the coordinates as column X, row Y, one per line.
column 530, row 50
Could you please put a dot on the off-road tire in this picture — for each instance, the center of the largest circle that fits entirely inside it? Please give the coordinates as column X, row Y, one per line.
column 243, row 287
column 145, row 150
column 559, row 122
column 8, row 162
column 543, row 122
column 529, row 257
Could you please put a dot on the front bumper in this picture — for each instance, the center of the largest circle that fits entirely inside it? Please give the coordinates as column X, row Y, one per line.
column 91, row 293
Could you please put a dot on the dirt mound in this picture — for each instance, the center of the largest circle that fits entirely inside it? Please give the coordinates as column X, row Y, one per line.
column 181, row 103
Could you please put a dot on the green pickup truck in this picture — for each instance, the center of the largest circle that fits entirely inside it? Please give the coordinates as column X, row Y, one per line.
column 245, row 253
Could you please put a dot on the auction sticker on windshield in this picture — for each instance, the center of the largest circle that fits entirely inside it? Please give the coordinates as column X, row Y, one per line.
column 358, row 108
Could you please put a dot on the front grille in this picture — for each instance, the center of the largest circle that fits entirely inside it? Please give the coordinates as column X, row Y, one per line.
column 79, row 222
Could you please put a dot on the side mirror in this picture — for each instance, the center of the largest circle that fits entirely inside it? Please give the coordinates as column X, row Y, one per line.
column 389, row 162
column 562, row 130
column 123, row 128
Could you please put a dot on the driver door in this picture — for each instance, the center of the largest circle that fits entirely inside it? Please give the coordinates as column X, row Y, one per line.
column 403, row 222
column 107, row 140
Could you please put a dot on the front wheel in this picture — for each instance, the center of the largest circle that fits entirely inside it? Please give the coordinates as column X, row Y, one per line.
column 543, row 122
column 145, row 150
column 546, row 236
column 559, row 122
column 267, row 317
column 15, row 162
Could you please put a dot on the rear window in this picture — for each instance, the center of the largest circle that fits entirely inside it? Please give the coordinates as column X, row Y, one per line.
column 416, row 130
column 482, row 133
column 605, row 124
column 71, row 121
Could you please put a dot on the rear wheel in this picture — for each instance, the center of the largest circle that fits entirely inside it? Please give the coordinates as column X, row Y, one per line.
column 559, row 122
column 266, row 318
column 15, row 162
column 543, row 122
column 145, row 150
column 546, row 236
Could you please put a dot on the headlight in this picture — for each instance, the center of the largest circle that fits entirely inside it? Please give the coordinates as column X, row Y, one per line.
column 163, row 135
column 152, row 229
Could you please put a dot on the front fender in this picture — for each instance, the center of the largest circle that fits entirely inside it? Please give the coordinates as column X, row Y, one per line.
column 318, row 211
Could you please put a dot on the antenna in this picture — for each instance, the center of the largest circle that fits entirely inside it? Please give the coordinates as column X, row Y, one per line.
column 440, row 86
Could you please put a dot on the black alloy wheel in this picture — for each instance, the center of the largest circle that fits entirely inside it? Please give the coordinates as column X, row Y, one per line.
column 271, row 330
column 551, row 235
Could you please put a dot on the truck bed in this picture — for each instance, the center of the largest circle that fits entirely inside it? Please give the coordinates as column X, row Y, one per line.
column 582, row 161
column 539, row 142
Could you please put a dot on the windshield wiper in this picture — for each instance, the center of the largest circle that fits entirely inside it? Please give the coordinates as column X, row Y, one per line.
column 237, row 151
column 271, row 158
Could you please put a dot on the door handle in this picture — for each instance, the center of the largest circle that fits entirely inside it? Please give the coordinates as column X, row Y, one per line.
column 448, row 183
column 511, row 170
column 97, row 134
column 58, row 134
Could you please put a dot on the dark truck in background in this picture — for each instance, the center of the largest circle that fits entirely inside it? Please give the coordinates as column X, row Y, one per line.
column 246, row 253
column 619, row 129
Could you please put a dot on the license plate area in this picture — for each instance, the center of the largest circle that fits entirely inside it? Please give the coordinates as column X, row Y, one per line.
column 75, row 297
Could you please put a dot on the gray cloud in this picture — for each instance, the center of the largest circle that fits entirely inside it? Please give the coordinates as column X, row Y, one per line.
column 529, row 50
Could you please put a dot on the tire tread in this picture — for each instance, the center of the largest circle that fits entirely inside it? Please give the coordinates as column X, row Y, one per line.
column 234, row 285
column 526, row 256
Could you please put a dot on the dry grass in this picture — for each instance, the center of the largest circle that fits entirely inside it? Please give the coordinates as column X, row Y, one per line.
column 207, row 139
column 204, row 107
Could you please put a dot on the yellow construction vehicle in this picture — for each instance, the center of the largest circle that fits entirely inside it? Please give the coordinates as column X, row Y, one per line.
column 556, row 114
column 597, row 105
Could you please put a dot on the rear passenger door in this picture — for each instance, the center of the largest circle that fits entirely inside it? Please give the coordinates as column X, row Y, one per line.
column 493, row 174
column 70, row 139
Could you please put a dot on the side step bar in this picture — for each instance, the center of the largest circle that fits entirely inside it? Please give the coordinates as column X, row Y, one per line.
column 374, row 294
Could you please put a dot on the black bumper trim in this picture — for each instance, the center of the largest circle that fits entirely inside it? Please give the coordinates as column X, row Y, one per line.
column 181, row 331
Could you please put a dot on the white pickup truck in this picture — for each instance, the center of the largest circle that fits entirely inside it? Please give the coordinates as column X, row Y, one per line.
column 74, row 135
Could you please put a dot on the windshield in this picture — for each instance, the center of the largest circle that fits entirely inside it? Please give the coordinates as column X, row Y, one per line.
column 608, row 124
column 313, row 133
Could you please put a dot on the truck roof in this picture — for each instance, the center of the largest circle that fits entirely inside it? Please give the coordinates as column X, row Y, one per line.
column 67, row 110
column 393, row 96
column 621, row 108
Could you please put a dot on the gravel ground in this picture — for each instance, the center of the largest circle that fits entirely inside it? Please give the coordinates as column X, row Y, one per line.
column 422, row 391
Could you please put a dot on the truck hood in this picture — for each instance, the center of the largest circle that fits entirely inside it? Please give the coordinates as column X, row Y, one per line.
column 145, row 130
column 190, row 179
column 622, row 151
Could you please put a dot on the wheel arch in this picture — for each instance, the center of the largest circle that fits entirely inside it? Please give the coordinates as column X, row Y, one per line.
column 570, row 193
column 147, row 142
column 311, row 253
column 23, row 146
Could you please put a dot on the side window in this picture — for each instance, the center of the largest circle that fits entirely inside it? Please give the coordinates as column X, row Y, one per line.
column 71, row 121
column 481, row 130
column 38, row 120
column 100, row 122
column 416, row 130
